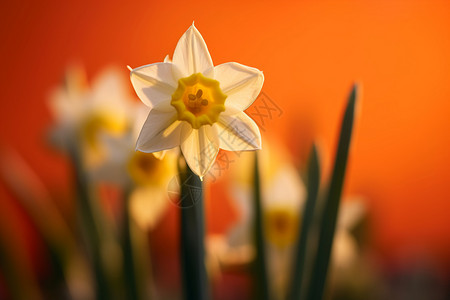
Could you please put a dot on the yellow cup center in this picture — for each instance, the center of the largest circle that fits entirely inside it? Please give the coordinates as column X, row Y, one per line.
column 145, row 168
column 281, row 226
column 198, row 100
column 102, row 121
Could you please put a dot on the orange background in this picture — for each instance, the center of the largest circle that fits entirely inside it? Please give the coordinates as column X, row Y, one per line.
column 310, row 51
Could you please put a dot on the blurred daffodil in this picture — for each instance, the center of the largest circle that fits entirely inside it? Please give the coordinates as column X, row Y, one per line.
column 84, row 114
column 197, row 106
column 150, row 200
column 282, row 200
column 282, row 194
column 146, row 175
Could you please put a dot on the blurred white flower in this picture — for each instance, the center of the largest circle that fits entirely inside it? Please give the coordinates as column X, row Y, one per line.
column 283, row 194
column 146, row 174
column 197, row 106
column 83, row 114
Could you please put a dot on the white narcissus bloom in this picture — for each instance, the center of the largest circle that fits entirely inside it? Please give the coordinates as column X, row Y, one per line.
column 283, row 194
column 197, row 106
column 84, row 113
column 147, row 174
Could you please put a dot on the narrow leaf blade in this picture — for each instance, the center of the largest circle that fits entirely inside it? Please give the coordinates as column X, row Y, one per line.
column 303, row 244
column 331, row 201
column 261, row 287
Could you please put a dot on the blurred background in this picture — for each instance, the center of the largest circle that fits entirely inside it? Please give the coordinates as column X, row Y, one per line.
column 311, row 52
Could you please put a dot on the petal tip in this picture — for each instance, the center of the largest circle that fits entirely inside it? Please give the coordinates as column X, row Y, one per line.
column 261, row 73
column 257, row 145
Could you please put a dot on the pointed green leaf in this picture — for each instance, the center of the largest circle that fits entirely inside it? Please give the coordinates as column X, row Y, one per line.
column 331, row 202
column 299, row 269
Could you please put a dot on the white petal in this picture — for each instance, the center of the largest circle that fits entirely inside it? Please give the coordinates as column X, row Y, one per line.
column 161, row 131
column 148, row 205
column 154, row 85
column 160, row 154
column 200, row 149
column 68, row 101
column 285, row 189
column 191, row 54
column 109, row 88
column 351, row 212
column 66, row 108
column 240, row 83
column 345, row 250
column 140, row 116
column 237, row 132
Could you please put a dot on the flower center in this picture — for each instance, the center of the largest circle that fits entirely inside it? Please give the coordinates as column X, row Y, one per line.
column 145, row 168
column 198, row 100
column 109, row 122
column 281, row 226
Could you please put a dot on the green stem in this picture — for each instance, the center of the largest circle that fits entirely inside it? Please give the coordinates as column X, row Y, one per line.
column 261, row 287
column 130, row 275
column 194, row 277
column 89, row 225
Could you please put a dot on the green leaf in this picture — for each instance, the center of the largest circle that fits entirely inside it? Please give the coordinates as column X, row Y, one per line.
column 129, row 263
column 299, row 269
column 89, row 224
column 261, row 286
column 331, row 202
column 194, row 277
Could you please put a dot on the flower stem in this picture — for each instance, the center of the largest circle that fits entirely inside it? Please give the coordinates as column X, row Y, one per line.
column 194, row 277
column 261, row 287
column 89, row 226
column 129, row 264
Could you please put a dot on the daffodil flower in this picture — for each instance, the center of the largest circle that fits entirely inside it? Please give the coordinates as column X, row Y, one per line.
column 147, row 174
column 84, row 114
column 197, row 106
